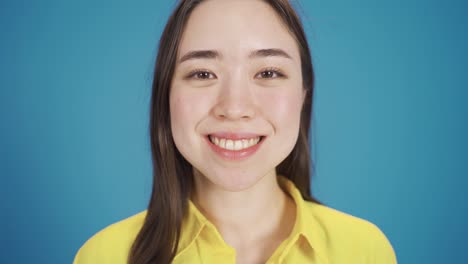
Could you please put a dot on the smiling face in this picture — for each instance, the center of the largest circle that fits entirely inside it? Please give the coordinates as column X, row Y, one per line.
column 236, row 94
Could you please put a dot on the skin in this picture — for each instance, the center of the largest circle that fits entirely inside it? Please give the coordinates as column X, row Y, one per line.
column 235, row 92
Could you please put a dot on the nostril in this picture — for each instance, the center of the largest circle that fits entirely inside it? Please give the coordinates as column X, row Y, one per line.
column 234, row 111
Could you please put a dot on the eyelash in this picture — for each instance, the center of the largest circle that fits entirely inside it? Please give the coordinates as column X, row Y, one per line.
column 193, row 73
column 276, row 71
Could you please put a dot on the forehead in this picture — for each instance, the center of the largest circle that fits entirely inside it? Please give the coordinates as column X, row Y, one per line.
column 235, row 28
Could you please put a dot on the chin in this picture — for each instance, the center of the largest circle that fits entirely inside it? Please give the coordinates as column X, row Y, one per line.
column 235, row 180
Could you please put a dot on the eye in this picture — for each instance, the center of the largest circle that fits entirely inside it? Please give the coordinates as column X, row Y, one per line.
column 200, row 75
column 270, row 73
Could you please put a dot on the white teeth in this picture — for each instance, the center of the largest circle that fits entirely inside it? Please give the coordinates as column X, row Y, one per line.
column 238, row 145
column 234, row 144
column 229, row 144
column 245, row 143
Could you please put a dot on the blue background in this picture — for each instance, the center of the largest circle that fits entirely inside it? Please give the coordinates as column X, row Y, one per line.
column 389, row 127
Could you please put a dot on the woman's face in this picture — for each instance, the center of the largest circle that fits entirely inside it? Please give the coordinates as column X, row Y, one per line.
column 237, row 79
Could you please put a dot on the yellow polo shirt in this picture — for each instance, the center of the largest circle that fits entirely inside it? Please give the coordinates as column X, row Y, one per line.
column 320, row 235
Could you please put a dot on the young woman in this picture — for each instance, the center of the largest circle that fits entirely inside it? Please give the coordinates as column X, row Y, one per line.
column 230, row 116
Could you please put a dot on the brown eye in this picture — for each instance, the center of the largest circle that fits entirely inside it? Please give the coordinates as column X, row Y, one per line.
column 270, row 74
column 201, row 75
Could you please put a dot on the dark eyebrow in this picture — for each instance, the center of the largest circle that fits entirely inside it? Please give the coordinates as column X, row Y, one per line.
column 269, row 53
column 200, row 54
column 213, row 54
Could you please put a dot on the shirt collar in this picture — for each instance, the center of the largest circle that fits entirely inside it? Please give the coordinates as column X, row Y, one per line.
column 193, row 225
column 306, row 225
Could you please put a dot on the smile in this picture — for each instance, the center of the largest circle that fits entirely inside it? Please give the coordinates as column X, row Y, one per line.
column 234, row 147
column 230, row 144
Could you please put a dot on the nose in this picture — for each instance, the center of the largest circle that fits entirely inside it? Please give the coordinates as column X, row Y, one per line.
column 235, row 101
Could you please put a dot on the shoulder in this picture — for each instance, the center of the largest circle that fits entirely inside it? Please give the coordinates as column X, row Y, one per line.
column 345, row 234
column 111, row 244
column 335, row 221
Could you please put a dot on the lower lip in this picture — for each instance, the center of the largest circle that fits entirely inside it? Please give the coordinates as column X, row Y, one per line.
column 235, row 154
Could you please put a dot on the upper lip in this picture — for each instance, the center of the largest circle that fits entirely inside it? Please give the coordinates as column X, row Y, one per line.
column 235, row 135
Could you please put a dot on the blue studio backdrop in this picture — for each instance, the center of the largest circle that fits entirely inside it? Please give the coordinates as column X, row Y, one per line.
column 389, row 125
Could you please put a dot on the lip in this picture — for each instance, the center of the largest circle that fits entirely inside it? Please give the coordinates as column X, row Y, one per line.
column 235, row 155
column 235, row 136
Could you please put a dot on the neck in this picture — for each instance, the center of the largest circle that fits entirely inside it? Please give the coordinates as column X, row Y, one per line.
column 255, row 213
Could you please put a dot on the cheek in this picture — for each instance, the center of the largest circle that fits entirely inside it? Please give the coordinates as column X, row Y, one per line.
column 180, row 121
column 186, row 110
column 177, row 110
column 283, row 109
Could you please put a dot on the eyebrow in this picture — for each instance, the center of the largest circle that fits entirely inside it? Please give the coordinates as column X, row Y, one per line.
column 213, row 54
column 262, row 53
column 200, row 54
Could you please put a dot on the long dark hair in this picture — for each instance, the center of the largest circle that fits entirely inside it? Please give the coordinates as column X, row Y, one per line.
column 158, row 239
